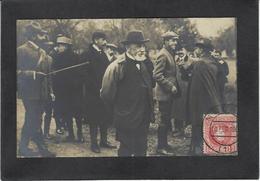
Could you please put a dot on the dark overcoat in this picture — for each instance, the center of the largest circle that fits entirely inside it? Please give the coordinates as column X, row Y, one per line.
column 179, row 105
column 66, row 84
column 31, row 59
column 203, row 96
column 129, row 92
column 93, row 75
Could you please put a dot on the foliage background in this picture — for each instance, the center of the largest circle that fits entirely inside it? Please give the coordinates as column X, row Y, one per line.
column 80, row 30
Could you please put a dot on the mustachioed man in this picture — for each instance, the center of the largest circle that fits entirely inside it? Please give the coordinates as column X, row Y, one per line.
column 127, row 89
column 166, row 88
column 203, row 91
column 34, row 88
column 96, row 113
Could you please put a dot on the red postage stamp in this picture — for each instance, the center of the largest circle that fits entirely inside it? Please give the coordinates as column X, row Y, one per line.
column 220, row 134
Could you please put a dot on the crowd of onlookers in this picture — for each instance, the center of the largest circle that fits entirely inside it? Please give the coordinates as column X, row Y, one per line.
column 106, row 85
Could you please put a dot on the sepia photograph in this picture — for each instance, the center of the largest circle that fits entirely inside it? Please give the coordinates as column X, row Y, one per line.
column 132, row 87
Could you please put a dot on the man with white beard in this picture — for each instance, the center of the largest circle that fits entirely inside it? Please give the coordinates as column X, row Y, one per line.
column 127, row 89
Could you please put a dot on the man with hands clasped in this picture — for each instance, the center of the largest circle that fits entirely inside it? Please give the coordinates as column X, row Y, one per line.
column 166, row 88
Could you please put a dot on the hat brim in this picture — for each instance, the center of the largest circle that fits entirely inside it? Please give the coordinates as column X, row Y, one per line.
column 44, row 31
column 171, row 37
column 134, row 42
column 203, row 45
column 65, row 43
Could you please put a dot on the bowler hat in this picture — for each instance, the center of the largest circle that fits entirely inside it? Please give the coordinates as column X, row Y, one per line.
column 34, row 28
column 170, row 34
column 135, row 37
column 98, row 34
column 64, row 40
column 111, row 45
column 204, row 43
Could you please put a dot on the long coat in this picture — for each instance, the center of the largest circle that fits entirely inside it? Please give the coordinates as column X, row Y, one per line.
column 66, row 84
column 94, row 106
column 129, row 92
column 203, row 96
column 30, row 59
column 179, row 104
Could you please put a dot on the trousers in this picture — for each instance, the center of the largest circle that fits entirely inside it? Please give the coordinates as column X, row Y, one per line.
column 32, row 124
column 165, row 125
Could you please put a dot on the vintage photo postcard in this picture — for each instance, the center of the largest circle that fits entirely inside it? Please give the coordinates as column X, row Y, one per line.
column 129, row 90
column 127, row 87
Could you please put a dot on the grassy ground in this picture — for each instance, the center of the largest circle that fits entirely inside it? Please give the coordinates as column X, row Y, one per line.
column 64, row 149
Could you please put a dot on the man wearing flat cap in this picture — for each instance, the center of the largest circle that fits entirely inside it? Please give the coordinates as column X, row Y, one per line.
column 203, row 92
column 96, row 112
column 67, row 88
column 34, row 88
column 166, row 88
column 127, row 90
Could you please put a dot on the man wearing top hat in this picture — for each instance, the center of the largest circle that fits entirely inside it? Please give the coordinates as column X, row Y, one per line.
column 67, row 88
column 166, row 88
column 96, row 112
column 127, row 90
column 203, row 90
column 34, row 88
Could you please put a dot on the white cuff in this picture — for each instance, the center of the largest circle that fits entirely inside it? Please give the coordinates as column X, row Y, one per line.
column 34, row 75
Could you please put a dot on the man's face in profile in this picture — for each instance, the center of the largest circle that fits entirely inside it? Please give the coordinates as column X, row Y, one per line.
column 101, row 42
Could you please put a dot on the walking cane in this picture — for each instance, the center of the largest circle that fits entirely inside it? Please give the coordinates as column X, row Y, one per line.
column 67, row 68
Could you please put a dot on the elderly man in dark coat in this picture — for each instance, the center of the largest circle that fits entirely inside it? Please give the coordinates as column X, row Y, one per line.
column 203, row 91
column 127, row 89
column 96, row 113
column 67, row 87
column 166, row 88
column 34, row 88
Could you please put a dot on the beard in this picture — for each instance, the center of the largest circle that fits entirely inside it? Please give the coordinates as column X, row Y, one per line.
column 140, row 57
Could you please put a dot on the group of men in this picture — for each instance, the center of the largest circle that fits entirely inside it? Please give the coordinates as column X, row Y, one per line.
column 108, row 88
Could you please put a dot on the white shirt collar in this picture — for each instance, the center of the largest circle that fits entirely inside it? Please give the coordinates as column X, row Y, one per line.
column 34, row 45
column 96, row 47
column 130, row 56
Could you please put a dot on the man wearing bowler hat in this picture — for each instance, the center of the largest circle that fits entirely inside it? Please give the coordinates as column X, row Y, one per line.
column 96, row 112
column 127, row 90
column 166, row 88
column 34, row 88
column 203, row 92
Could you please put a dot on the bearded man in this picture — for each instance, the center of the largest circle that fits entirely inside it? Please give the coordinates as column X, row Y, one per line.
column 127, row 90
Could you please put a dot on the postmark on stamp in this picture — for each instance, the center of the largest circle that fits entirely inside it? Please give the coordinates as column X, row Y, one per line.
column 220, row 134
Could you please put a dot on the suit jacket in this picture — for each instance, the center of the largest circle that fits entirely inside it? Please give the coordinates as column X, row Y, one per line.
column 164, row 74
column 31, row 59
column 122, row 90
